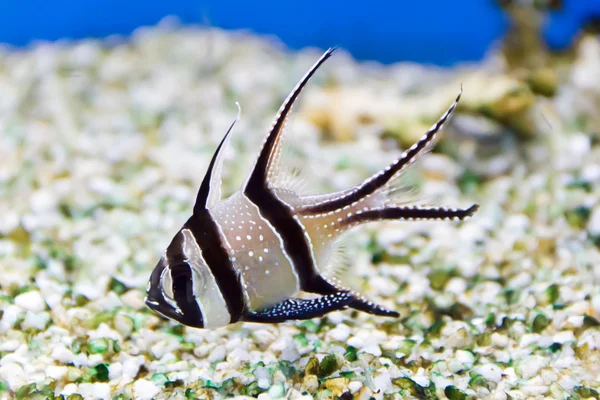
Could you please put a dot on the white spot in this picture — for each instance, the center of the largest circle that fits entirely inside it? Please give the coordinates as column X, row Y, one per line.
column 266, row 250
column 238, row 238
column 251, row 253
column 267, row 272
column 248, row 237
column 261, row 238
column 246, row 268
column 260, row 258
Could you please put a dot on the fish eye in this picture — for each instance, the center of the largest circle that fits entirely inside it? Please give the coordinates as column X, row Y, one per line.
column 179, row 283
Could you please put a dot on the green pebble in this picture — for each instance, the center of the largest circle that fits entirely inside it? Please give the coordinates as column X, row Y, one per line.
column 578, row 217
column 554, row 347
column 406, row 346
column 117, row 286
column 478, row 381
column 300, row 340
column 81, row 300
column 329, row 364
column 25, row 392
column 439, row 278
column 310, row 326
column 100, row 318
column 98, row 346
column 585, row 392
column 159, row 379
column 469, row 181
column 312, row 366
column 190, row 394
column 350, row 354
column 590, row 322
column 100, row 372
column 454, row 393
column 540, row 322
column 410, row 387
column 552, row 293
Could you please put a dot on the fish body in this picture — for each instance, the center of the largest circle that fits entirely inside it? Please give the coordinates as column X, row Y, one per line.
column 246, row 258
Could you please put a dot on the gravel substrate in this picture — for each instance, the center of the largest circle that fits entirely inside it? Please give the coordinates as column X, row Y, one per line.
column 103, row 146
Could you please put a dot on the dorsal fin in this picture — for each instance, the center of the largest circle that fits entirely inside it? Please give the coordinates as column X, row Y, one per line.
column 270, row 152
column 210, row 189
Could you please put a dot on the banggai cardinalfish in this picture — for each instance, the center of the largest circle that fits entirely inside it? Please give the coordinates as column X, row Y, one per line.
column 248, row 257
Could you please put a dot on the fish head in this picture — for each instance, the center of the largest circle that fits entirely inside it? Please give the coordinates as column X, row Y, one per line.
column 182, row 287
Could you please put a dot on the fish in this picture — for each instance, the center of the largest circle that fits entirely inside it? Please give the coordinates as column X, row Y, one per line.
column 255, row 255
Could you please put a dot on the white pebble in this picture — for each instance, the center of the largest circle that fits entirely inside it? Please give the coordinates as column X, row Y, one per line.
column 69, row 389
column 94, row 390
column 340, row 333
column 465, row 357
column 31, row 301
column 56, row 372
column 144, row 389
column 217, row 354
column 354, row 386
column 491, row 372
column 564, row 337
column 62, row 354
column 9, row 345
column 356, row 342
column 382, row 381
column 499, row 340
column 13, row 373
column 530, row 365
column 36, row 320
column 594, row 222
column 372, row 349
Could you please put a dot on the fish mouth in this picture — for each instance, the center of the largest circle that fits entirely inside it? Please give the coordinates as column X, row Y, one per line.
column 157, row 308
column 150, row 302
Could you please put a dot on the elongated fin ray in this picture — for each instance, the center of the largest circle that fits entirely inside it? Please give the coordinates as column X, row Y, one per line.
column 268, row 157
column 381, row 179
column 210, row 189
column 410, row 213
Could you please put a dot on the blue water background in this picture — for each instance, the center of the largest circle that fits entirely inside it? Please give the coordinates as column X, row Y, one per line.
column 436, row 31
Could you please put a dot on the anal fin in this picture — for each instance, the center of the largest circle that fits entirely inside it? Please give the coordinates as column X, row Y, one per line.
column 299, row 309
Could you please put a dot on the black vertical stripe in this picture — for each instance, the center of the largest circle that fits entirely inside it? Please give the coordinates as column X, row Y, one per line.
column 270, row 207
column 183, row 291
column 207, row 236
column 281, row 218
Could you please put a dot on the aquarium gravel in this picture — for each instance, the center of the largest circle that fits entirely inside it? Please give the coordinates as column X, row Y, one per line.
column 104, row 143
